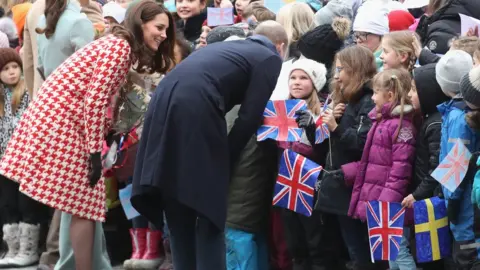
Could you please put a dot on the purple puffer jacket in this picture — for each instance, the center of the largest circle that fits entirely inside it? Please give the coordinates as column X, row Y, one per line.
column 385, row 169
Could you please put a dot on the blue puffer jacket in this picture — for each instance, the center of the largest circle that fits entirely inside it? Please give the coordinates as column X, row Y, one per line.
column 454, row 126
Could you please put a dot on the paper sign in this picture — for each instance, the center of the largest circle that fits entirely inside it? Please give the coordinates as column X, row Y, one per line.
column 219, row 16
column 468, row 23
column 125, row 194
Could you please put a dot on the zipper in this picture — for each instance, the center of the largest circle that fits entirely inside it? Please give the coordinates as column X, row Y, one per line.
column 361, row 123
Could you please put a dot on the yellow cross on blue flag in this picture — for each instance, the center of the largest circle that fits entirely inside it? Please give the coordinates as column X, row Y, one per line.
column 431, row 230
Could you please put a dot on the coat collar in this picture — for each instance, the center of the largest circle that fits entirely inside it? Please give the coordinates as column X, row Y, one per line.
column 388, row 111
column 455, row 103
column 264, row 41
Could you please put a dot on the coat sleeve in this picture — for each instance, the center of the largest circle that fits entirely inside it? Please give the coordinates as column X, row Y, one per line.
column 262, row 82
column 350, row 173
column 428, row 185
column 403, row 152
column 112, row 67
column 427, row 57
column 27, row 59
column 354, row 137
column 81, row 34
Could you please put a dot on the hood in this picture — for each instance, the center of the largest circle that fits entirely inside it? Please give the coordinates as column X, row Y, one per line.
column 430, row 93
column 456, row 103
column 454, row 7
column 388, row 112
column 264, row 41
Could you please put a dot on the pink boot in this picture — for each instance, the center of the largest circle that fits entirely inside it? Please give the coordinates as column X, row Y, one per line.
column 139, row 237
column 153, row 256
column 167, row 263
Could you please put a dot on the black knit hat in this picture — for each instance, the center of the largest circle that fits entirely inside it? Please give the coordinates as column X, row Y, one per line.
column 470, row 87
column 220, row 33
column 8, row 55
column 322, row 43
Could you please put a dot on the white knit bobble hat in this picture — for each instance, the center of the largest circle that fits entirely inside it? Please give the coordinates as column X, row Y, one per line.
column 372, row 17
column 316, row 71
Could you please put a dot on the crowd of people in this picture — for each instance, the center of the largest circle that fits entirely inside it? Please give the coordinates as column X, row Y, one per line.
column 98, row 96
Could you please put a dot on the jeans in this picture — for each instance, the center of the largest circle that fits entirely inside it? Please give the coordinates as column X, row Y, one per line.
column 196, row 242
column 355, row 236
column 404, row 259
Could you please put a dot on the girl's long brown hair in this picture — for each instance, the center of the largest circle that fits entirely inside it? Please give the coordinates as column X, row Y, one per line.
column 53, row 11
column 18, row 91
column 398, row 81
column 359, row 63
column 131, row 30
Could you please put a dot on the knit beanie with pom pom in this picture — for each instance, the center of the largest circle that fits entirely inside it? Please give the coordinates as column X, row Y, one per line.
column 322, row 43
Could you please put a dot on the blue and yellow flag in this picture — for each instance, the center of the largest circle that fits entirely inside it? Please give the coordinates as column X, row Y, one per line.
column 431, row 230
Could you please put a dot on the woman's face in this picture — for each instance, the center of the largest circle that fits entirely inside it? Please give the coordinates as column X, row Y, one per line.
column 299, row 84
column 10, row 73
column 189, row 8
column 155, row 31
column 371, row 41
column 341, row 77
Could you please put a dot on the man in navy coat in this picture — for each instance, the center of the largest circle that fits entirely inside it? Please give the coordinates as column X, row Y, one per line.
column 185, row 155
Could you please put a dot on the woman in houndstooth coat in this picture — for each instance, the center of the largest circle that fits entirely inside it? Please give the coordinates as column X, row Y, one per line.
column 55, row 152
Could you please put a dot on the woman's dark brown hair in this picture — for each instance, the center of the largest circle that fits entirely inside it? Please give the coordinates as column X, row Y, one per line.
column 53, row 11
column 131, row 30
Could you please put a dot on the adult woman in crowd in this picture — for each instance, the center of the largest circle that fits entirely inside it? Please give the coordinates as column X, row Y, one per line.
column 55, row 153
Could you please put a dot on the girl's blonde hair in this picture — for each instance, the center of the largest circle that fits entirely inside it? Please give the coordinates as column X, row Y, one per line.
column 402, row 43
column 466, row 44
column 297, row 19
column 398, row 81
column 359, row 63
column 18, row 91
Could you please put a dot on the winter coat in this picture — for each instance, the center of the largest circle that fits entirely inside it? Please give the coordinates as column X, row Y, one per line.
column 251, row 184
column 384, row 172
column 427, row 148
column 185, row 153
column 9, row 121
column 438, row 30
column 49, row 151
column 427, row 57
column 73, row 31
column 454, row 127
column 346, row 145
column 192, row 27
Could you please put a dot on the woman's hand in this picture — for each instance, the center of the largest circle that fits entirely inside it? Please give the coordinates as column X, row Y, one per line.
column 408, row 201
column 339, row 110
column 329, row 119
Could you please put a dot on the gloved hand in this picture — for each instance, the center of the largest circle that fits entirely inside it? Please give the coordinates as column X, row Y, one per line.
column 305, row 119
column 111, row 137
column 453, row 210
column 95, row 168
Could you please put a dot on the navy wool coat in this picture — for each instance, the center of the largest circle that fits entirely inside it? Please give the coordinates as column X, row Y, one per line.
column 185, row 153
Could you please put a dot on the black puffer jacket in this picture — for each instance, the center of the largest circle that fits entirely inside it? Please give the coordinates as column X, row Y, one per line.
column 347, row 143
column 438, row 30
column 428, row 139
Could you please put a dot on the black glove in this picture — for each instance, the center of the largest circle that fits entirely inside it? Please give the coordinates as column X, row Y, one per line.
column 305, row 120
column 112, row 137
column 453, row 210
column 95, row 168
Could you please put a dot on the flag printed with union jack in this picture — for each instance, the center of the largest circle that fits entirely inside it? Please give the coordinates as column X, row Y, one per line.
column 453, row 168
column 321, row 131
column 296, row 180
column 279, row 121
column 385, row 229
column 219, row 16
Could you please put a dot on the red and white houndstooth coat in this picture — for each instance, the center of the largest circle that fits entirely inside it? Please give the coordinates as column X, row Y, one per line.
column 48, row 155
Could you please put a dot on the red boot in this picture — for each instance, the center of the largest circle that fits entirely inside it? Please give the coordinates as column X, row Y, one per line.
column 139, row 238
column 153, row 255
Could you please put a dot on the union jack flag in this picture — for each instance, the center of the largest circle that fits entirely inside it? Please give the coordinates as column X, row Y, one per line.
column 321, row 131
column 296, row 179
column 219, row 16
column 279, row 121
column 385, row 229
column 453, row 168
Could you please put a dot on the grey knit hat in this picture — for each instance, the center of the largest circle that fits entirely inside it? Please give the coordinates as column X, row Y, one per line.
column 333, row 9
column 220, row 33
column 450, row 70
column 470, row 87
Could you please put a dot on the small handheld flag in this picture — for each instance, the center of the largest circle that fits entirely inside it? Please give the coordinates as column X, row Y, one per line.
column 432, row 233
column 385, row 229
column 296, row 179
column 453, row 168
column 219, row 16
column 279, row 121
column 125, row 194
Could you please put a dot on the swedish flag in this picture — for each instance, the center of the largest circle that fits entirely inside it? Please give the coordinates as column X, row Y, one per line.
column 431, row 230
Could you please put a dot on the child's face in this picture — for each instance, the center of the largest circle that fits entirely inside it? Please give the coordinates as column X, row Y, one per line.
column 413, row 95
column 381, row 97
column 390, row 57
column 341, row 77
column 240, row 5
column 10, row 74
column 189, row 8
column 368, row 40
column 299, row 84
